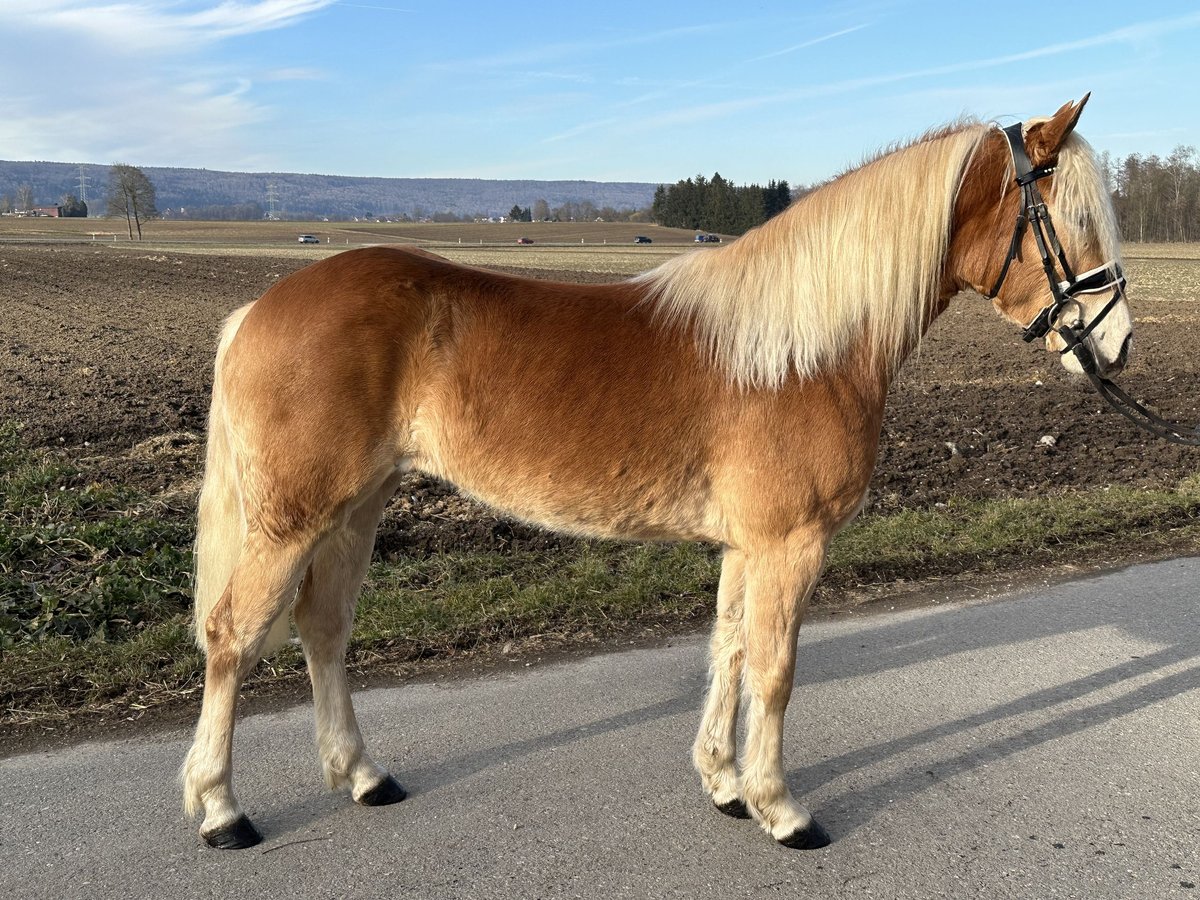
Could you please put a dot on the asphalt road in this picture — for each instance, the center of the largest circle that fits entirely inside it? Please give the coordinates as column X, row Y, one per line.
column 1043, row 744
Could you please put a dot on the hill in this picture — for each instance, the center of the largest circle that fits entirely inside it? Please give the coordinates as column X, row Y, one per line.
column 313, row 196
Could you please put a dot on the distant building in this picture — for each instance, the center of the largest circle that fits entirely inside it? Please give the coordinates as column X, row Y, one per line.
column 54, row 212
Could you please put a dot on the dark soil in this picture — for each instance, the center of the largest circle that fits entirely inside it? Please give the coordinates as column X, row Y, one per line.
column 106, row 353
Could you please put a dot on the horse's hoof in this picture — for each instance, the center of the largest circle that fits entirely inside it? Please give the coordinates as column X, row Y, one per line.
column 810, row 837
column 236, row 836
column 386, row 792
column 735, row 808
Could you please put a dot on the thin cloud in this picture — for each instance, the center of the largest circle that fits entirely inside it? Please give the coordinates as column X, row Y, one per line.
column 716, row 77
column 295, row 73
column 1130, row 33
column 810, row 43
column 383, row 8
column 163, row 102
column 549, row 52
column 154, row 24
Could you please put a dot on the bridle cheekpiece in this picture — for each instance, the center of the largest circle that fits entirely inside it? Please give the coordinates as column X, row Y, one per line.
column 1065, row 288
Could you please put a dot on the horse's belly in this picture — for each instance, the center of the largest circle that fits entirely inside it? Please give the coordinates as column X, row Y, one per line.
column 607, row 499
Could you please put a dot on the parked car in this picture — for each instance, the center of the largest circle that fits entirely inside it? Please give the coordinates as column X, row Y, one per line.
column 309, row 239
column 642, row 239
column 708, row 239
column 524, row 240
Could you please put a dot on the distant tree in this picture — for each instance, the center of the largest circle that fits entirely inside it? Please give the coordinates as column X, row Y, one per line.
column 776, row 197
column 24, row 198
column 6, row 203
column 131, row 194
column 72, row 206
column 517, row 214
column 541, row 210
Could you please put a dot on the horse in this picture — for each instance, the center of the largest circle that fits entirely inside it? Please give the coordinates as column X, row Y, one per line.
column 732, row 395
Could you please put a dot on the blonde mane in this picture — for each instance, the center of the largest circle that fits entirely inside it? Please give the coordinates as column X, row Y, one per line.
column 865, row 252
column 1082, row 202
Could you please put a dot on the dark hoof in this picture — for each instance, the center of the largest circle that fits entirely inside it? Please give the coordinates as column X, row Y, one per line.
column 810, row 837
column 386, row 792
column 735, row 808
column 235, row 836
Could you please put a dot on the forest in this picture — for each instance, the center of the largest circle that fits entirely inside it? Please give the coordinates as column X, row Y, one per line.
column 715, row 204
column 1156, row 199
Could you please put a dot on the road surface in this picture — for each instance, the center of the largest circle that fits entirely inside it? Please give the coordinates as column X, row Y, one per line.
column 1041, row 744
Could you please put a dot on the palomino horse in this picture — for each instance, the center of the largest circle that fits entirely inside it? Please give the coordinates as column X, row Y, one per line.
column 732, row 395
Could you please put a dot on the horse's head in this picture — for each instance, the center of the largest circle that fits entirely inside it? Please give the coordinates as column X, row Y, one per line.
column 1052, row 267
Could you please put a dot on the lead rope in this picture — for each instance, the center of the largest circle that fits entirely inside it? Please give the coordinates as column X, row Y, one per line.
column 1150, row 420
column 1137, row 413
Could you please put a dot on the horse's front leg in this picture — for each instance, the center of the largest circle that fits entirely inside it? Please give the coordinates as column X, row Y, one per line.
column 715, row 751
column 779, row 579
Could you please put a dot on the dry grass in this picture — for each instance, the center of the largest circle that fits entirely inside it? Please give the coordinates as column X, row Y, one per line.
column 1153, row 279
column 1160, row 251
column 354, row 233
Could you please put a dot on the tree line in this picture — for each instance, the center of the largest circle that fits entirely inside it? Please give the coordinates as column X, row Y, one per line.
column 575, row 211
column 715, row 204
column 1156, row 199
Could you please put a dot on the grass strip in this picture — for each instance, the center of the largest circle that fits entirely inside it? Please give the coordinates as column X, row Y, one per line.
column 94, row 581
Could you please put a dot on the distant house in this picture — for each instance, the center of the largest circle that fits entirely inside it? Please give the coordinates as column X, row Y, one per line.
column 54, row 212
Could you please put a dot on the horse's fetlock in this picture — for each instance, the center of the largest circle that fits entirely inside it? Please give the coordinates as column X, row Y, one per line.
column 337, row 776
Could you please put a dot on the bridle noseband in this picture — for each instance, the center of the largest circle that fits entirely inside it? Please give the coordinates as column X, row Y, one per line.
column 1103, row 278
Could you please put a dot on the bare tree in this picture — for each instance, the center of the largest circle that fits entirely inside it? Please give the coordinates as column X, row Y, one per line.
column 131, row 194
column 24, row 198
column 541, row 210
column 6, row 203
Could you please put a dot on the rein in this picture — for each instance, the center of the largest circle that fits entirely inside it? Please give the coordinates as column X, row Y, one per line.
column 1106, row 277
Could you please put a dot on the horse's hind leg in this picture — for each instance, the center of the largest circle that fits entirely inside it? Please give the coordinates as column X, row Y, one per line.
column 324, row 616
column 715, row 751
column 263, row 584
column 779, row 581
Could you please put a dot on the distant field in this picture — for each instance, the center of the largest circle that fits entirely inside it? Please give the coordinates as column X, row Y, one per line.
column 598, row 247
column 335, row 234
column 1161, row 251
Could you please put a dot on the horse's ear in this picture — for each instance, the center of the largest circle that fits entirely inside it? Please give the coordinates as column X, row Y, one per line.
column 1043, row 140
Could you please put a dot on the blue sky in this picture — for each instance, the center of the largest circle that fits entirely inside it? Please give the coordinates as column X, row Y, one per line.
column 621, row 91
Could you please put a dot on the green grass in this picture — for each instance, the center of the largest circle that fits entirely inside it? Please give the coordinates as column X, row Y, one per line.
column 95, row 581
column 80, row 560
column 980, row 534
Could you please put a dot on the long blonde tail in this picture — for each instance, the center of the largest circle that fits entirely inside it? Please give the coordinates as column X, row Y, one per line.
column 221, row 524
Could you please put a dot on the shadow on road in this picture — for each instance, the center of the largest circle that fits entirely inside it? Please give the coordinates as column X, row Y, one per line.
column 1062, row 708
column 887, row 646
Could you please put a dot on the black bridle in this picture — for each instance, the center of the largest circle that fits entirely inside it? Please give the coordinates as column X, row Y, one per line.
column 1109, row 276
